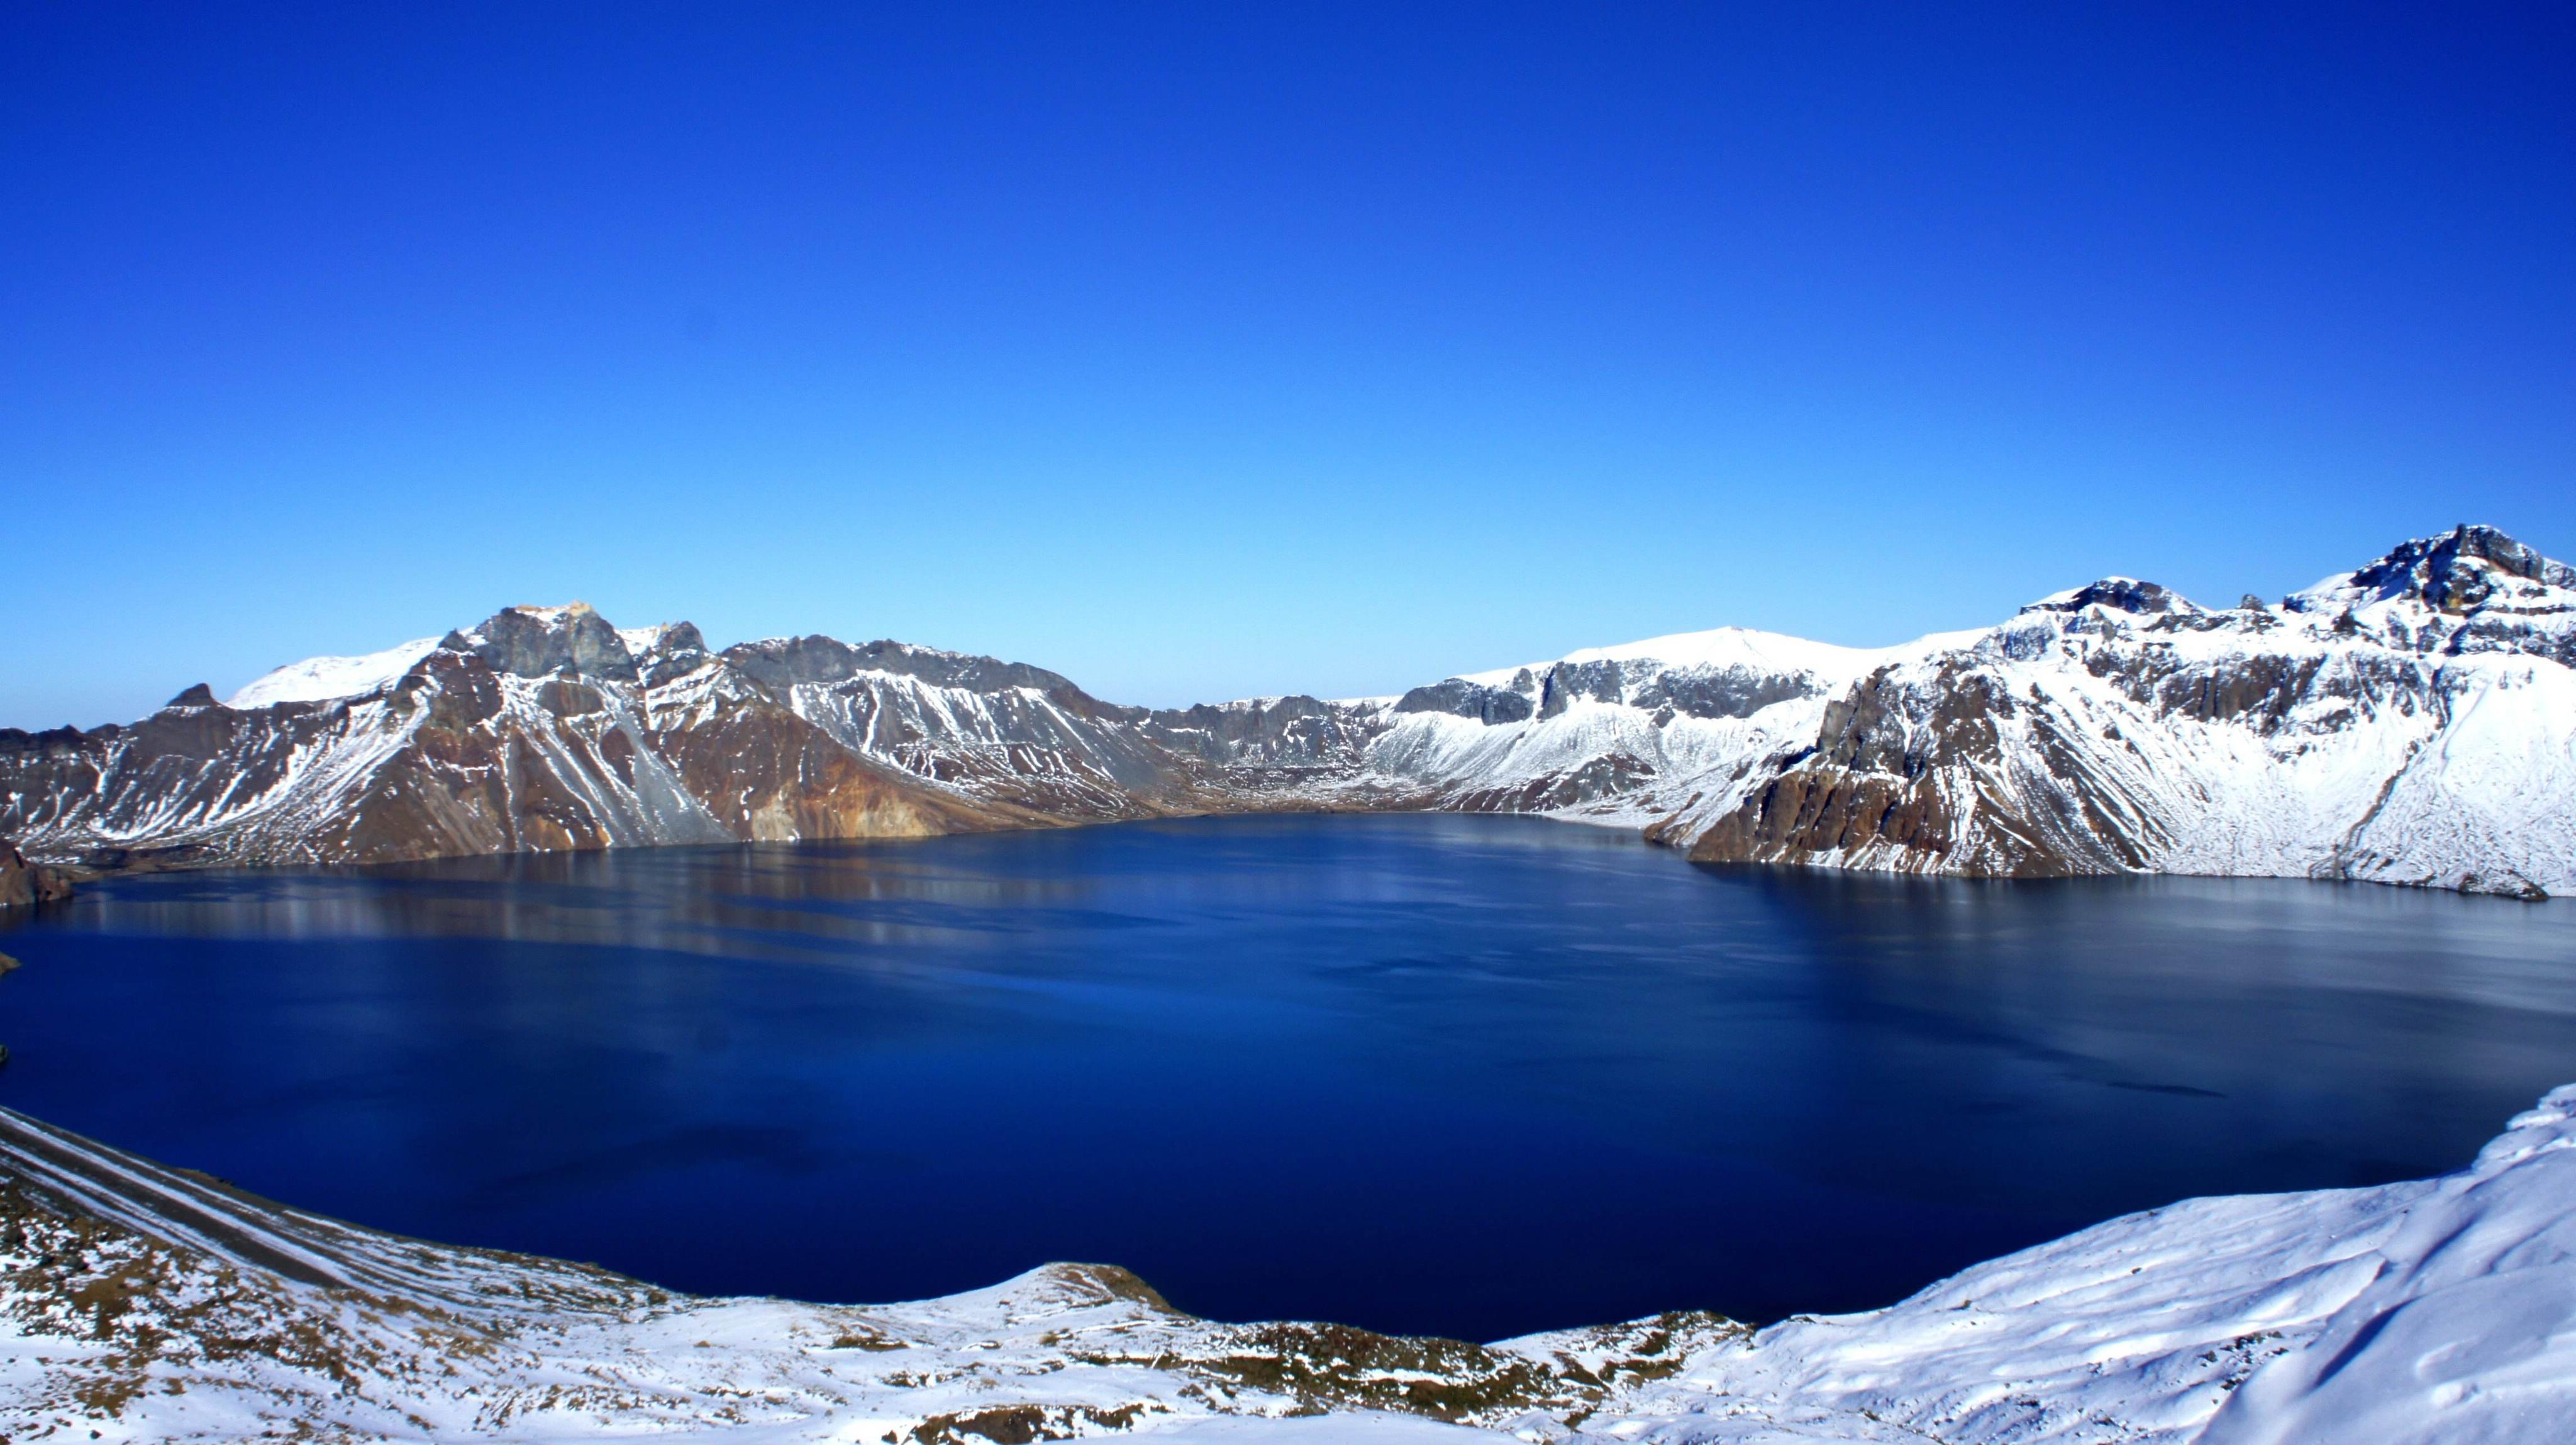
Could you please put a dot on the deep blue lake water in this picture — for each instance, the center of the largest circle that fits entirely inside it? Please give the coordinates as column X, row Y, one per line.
column 1465, row 1075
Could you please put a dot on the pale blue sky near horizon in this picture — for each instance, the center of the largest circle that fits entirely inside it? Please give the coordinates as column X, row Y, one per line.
column 1198, row 352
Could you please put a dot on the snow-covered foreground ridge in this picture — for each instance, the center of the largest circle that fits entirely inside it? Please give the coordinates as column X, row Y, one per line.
column 146, row 1304
column 2413, row 721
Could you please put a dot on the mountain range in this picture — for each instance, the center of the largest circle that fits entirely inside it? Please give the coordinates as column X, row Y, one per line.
column 2412, row 722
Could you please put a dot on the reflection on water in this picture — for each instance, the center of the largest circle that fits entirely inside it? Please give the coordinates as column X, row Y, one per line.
column 1469, row 1075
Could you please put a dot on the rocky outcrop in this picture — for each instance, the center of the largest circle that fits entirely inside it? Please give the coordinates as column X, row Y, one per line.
column 543, row 641
column 2413, row 721
column 23, row 883
column 1461, row 698
column 2123, row 594
column 1903, row 775
column 2457, row 573
column 1274, row 733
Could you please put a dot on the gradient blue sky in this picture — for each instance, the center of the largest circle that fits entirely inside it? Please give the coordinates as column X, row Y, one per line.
column 1204, row 350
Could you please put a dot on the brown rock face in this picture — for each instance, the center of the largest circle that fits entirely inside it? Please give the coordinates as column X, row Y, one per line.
column 1871, row 783
column 23, row 883
column 1941, row 772
column 766, row 774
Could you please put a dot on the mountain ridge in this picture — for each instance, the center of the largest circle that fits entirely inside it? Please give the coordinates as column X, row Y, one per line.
column 2412, row 721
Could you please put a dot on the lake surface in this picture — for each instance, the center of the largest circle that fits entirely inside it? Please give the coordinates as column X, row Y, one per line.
column 1465, row 1075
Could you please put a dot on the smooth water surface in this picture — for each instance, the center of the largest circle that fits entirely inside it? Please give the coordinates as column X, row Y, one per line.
column 1468, row 1075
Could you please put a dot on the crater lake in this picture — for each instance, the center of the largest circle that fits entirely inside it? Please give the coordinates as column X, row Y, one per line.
column 1463, row 1075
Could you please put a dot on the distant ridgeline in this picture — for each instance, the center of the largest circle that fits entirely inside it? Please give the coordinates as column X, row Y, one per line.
column 2411, row 722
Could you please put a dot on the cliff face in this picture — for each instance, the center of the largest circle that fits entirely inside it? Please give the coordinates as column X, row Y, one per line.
column 2412, row 722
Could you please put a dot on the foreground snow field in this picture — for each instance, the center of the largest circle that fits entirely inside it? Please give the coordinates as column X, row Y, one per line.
column 144, row 1303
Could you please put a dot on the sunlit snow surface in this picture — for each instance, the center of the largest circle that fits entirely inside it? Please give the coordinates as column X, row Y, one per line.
column 2430, row 1311
column 1730, row 647
column 319, row 679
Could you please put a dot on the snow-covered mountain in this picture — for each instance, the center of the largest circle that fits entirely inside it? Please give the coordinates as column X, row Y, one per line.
column 549, row 728
column 1609, row 733
column 145, row 1304
column 2411, row 722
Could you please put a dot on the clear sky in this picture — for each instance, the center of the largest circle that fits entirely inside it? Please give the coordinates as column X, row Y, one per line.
column 1204, row 350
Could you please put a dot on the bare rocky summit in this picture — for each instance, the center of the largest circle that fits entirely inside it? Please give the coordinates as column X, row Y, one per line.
column 2413, row 721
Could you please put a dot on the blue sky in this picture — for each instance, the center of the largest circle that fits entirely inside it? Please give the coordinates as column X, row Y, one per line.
column 1198, row 350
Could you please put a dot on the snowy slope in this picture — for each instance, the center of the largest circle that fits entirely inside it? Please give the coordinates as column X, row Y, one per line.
column 318, row 679
column 150, row 1305
column 1736, row 650
column 2439, row 1310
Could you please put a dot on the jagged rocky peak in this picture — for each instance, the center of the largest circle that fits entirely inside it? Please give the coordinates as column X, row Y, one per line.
column 2458, row 572
column 662, row 639
column 1461, row 698
column 544, row 641
column 2120, row 594
column 786, row 661
column 666, row 650
column 1291, row 731
column 200, row 695
column 1725, row 673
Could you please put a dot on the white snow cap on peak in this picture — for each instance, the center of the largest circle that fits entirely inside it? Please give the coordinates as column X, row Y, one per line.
column 318, row 679
column 1718, row 648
